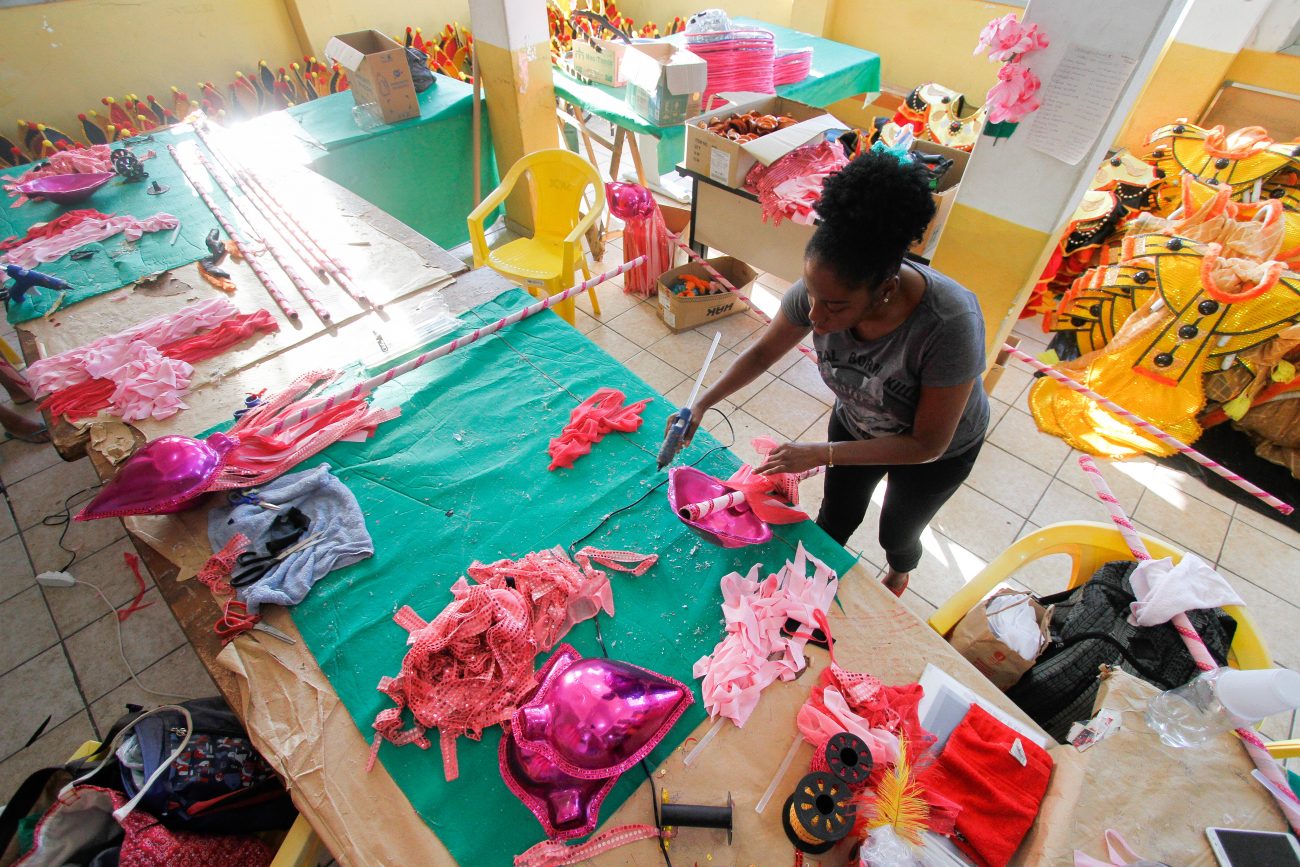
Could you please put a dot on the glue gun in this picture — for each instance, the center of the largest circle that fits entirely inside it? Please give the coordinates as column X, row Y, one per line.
column 24, row 279
column 673, row 439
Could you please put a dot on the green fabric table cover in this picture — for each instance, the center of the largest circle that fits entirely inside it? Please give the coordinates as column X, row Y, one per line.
column 418, row 170
column 151, row 254
column 839, row 71
column 462, row 476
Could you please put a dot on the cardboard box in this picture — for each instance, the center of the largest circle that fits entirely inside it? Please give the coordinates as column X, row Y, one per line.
column 664, row 81
column 678, row 221
column 680, row 313
column 380, row 79
column 729, row 221
column 727, row 162
column 601, row 63
column 944, row 197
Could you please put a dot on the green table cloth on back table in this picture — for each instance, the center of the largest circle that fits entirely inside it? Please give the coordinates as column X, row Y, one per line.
column 462, row 476
column 839, row 71
column 417, row 170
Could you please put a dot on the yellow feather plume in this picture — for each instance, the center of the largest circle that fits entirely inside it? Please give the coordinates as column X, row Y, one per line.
column 897, row 801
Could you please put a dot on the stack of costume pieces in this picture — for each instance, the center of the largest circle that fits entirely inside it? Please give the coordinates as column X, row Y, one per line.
column 1123, row 187
column 938, row 114
column 758, row 648
column 1197, row 307
column 1128, row 190
column 143, row 372
column 46, row 242
column 1198, row 296
column 471, row 666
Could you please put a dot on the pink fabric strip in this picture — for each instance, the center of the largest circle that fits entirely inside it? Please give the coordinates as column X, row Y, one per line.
column 40, row 250
column 553, row 853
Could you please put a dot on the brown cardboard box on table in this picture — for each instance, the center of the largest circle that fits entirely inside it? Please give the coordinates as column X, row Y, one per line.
column 944, row 197
column 601, row 62
column 727, row 162
column 680, row 313
column 380, row 79
column 664, row 81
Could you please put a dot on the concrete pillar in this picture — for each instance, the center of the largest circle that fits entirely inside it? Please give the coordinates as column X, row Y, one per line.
column 1193, row 66
column 1015, row 200
column 514, row 62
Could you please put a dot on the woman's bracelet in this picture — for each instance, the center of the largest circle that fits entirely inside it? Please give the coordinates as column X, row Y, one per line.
column 830, row 454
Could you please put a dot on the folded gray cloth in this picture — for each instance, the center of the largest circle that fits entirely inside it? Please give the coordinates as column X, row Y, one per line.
column 334, row 513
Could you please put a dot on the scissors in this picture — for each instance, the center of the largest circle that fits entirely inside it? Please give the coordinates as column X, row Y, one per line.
column 235, row 621
column 251, row 566
column 250, row 497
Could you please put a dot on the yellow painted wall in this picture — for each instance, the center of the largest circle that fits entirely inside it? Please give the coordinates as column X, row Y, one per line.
column 58, row 59
column 662, row 11
column 1182, row 85
column 922, row 40
column 1263, row 69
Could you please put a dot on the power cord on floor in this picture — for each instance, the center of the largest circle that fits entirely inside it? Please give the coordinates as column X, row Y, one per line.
column 63, row 579
column 63, row 519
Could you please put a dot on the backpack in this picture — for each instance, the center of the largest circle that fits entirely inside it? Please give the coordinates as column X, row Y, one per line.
column 218, row 783
column 1089, row 629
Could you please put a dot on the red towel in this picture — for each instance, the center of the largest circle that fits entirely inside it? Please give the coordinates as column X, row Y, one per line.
column 999, row 797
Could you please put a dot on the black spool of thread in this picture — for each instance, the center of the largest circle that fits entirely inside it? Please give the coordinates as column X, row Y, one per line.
column 848, row 759
column 818, row 815
column 697, row 816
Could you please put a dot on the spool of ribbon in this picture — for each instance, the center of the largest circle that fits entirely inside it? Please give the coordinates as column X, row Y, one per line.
column 845, row 757
column 818, row 814
column 698, row 816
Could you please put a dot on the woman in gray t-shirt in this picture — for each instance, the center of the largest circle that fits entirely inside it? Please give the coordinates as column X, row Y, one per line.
column 900, row 345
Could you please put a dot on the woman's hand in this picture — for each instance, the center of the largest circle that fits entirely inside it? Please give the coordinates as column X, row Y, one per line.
column 697, row 413
column 794, row 458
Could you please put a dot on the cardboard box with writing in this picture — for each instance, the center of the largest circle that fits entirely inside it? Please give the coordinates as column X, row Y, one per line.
column 664, row 81
column 680, row 313
column 945, row 196
column 601, row 62
column 380, row 79
column 727, row 162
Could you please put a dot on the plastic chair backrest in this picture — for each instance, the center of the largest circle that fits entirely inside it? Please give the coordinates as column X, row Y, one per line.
column 1089, row 545
column 557, row 180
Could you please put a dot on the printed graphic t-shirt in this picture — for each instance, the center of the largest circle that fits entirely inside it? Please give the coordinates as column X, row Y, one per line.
column 877, row 383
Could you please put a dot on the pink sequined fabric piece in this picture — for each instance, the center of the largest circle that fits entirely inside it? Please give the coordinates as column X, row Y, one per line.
column 472, row 665
column 754, row 653
column 791, row 187
column 596, row 416
column 773, row 497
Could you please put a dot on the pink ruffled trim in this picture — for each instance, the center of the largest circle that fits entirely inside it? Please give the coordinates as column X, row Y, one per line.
column 754, row 653
column 48, row 249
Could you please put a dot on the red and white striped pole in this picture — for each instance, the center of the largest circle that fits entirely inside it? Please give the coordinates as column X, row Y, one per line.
column 273, row 248
column 369, row 385
column 272, row 287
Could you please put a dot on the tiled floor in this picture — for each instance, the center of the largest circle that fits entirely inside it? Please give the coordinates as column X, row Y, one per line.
column 60, row 671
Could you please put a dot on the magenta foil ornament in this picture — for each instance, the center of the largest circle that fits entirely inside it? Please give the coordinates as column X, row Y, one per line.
column 164, row 476
column 735, row 527
column 66, row 189
column 629, row 201
column 567, row 806
column 595, row 718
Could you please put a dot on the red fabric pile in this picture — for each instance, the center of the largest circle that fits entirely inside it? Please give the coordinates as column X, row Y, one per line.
column 791, row 187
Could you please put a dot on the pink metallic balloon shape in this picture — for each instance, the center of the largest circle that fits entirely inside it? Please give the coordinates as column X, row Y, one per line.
column 567, row 806
column 597, row 717
column 629, row 201
column 164, row 476
column 731, row 528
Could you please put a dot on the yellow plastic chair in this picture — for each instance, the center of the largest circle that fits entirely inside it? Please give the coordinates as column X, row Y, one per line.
column 1090, row 545
column 9, row 354
column 546, row 261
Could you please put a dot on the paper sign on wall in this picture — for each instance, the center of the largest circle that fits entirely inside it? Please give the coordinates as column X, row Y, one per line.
column 1080, row 95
